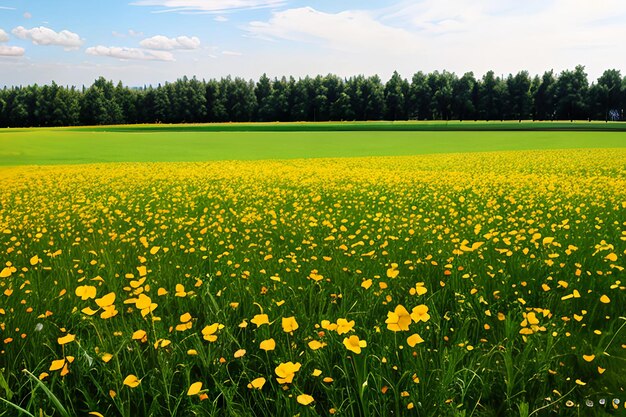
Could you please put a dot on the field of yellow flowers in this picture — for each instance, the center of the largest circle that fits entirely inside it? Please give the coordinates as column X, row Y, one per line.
column 477, row 284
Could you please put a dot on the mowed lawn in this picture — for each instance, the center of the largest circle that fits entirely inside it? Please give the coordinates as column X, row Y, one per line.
column 199, row 143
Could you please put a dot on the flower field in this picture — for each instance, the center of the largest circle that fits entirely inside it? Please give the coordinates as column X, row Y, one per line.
column 439, row 285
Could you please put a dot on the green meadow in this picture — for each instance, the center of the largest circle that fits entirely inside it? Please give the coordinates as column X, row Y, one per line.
column 220, row 270
column 174, row 143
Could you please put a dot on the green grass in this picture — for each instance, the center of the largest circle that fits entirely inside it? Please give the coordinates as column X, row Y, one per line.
column 173, row 143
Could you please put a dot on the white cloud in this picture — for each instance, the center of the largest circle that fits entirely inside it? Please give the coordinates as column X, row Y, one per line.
column 508, row 36
column 350, row 31
column 6, row 8
column 221, row 19
column 231, row 53
column 45, row 36
column 164, row 43
column 212, row 6
column 27, row 15
column 6, row 50
column 129, row 53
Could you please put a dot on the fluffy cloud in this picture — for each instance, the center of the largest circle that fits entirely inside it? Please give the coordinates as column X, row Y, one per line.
column 164, row 43
column 212, row 6
column 129, row 53
column 6, row 50
column 45, row 36
column 508, row 35
column 350, row 31
column 457, row 35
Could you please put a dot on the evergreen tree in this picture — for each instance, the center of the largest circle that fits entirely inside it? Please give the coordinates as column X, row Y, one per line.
column 571, row 94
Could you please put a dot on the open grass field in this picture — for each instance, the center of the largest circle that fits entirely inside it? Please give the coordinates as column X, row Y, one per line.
column 480, row 278
column 173, row 143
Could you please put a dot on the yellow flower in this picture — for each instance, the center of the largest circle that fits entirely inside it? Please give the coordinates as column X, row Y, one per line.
column 529, row 319
column 88, row 311
column 108, row 312
column 195, row 388
column 66, row 339
column 393, row 271
column 257, row 383
column 315, row 276
column 145, row 304
column 132, row 381
column 604, row 299
column 208, row 333
column 327, row 325
column 139, row 335
column 260, row 319
column 57, row 364
column 420, row 313
column 414, row 340
column 419, row 289
column 286, row 372
column 315, row 344
column 85, row 292
column 162, row 343
column 344, row 326
column 289, row 324
column 185, row 323
column 398, row 320
column 240, row 353
column 143, row 271
column 305, row 399
column 180, row 291
column 353, row 344
column 589, row 358
column 107, row 300
column 267, row 345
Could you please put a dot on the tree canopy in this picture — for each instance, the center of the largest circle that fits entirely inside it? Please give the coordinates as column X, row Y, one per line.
column 432, row 96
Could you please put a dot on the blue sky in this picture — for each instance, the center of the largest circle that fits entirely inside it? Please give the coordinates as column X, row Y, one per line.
column 150, row 41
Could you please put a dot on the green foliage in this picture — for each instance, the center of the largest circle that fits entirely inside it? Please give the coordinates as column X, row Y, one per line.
column 434, row 96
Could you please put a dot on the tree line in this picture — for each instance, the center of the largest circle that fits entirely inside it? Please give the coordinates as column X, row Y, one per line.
column 426, row 96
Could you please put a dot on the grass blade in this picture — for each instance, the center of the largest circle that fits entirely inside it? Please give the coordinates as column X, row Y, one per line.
column 50, row 395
